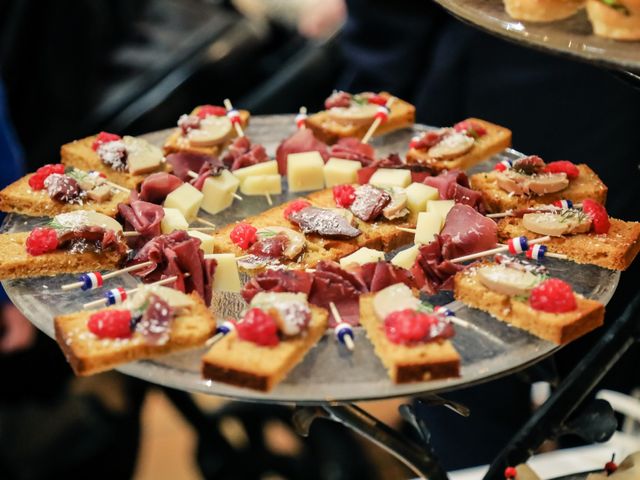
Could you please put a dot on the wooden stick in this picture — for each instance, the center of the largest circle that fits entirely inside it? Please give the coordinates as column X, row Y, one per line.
column 201, row 229
column 193, row 174
column 116, row 186
column 501, row 249
column 561, row 256
column 97, row 303
column 348, row 341
column 269, row 200
column 238, row 127
column 107, row 276
column 206, row 222
column 376, row 122
column 405, row 229
column 509, row 213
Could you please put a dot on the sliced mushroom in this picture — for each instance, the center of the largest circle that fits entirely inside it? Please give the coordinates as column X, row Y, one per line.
column 295, row 244
column 355, row 114
column 175, row 298
column 549, row 183
column 507, row 280
column 213, row 130
column 557, row 223
column 512, row 182
column 142, row 157
column 397, row 207
column 452, row 146
column 86, row 218
column 392, row 299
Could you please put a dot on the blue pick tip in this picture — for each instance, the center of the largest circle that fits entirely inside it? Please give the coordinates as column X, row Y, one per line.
column 86, row 281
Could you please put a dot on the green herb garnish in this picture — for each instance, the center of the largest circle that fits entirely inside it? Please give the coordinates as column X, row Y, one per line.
column 617, row 6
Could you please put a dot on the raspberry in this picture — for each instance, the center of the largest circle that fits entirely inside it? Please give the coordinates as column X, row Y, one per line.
column 41, row 240
column 407, row 326
column 344, row 195
column 562, row 166
column 207, row 110
column 295, row 206
column 553, row 296
column 244, row 235
column 104, row 137
column 470, row 128
column 110, row 324
column 36, row 181
column 258, row 327
column 377, row 100
column 598, row 215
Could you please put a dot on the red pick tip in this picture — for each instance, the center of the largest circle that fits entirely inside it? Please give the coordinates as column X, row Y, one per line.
column 611, row 466
column 510, row 473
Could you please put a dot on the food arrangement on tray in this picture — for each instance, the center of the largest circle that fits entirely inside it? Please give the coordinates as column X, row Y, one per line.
column 315, row 264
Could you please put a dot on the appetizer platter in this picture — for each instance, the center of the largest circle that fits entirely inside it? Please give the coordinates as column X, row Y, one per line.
column 281, row 259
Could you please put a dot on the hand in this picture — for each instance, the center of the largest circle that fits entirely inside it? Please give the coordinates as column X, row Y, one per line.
column 322, row 18
column 16, row 332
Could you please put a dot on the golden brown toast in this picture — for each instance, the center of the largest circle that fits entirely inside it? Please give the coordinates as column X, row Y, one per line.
column 403, row 115
column 614, row 250
column 176, row 142
column 246, row 364
column 495, row 199
column 496, row 140
column 19, row 197
column 558, row 328
column 542, row 10
column 80, row 154
column 88, row 354
column 408, row 363
column 15, row 262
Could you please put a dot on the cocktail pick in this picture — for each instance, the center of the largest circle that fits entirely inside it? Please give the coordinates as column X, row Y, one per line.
column 382, row 115
column 118, row 295
column 93, row 280
column 342, row 331
column 301, row 118
column 514, row 246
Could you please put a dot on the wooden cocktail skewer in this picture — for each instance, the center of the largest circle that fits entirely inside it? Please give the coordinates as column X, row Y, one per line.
column 546, row 253
column 133, row 233
column 379, row 118
column 342, row 331
column 125, row 293
column 405, row 229
column 206, row 222
column 301, row 118
column 116, row 186
column 94, row 280
column 522, row 241
column 222, row 330
column 543, row 208
column 193, row 174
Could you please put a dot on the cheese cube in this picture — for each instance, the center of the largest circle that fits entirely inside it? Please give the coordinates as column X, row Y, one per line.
column 406, row 258
column 206, row 241
column 262, row 184
column 226, row 278
column 264, row 168
column 441, row 207
column 362, row 256
column 305, row 171
column 218, row 192
column 338, row 171
column 391, row 177
column 187, row 199
column 173, row 220
column 428, row 225
column 417, row 196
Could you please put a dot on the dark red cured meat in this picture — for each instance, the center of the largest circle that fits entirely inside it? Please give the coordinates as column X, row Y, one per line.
column 155, row 323
column 242, row 154
column 430, row 139
column 443, row 181
column 431, row 271
column 379, row 275
column 143, row 217
column 466, row 231
column 338, row 99
column 369, row 202
column 464, row 195
column 294, row 281
column 271, row 247
column 351, row 148
column 156, row 187
column 365, row 174
column 211, row 168
column 102, row 238
column 301, row 141
column 182, row 162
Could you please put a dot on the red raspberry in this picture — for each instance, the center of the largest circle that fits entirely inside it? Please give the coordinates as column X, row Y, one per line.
column 407, row 326
column 471, row 128
column 377, row 100
column 207, row 110
column 110, row 324
column 104, row 137
column 295, row 206
column 553, row 296
column 244, row 235
column 36, row 181
column 41, row 240
column 510, row 473
column 344, row 195
column 258, row 327
column 598, row 214
column 562, row 166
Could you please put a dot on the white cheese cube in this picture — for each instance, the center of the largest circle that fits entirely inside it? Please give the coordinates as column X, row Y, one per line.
column 173, row 220
column 417, row 196
column 305, row 171
column 206, row 241
column 338, row 171
column 187, row 199
column 218, row 192
column 391, row 177
column 428, row 225
column 262, row 184
column 362, row 256
column 441, row 207
column 406, row 258
column 226, row 277
column 264, row 168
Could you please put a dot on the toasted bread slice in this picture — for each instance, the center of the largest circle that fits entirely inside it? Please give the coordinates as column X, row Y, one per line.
column 558, row 328
column 88, row 354
column 542, row 10
column 19, row 197
column 403, row 115
column 496, row 140
column 614, row 250
column 15, row 262
column 246, row 364
column 615, row 23
column 408, row 363
column 176, row 142
column 80, row 154
column 495, row 199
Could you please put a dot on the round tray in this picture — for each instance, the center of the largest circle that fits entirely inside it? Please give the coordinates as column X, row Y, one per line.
column 573, row 36
column 489, row 348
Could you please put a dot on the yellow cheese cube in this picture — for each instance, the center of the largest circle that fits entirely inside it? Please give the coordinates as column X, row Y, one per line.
column 305, row 171
column 226, row 278
column 391, row 177
column 362, row 256
column 206, row 241
column 406, row 258
column 173, row 220
column 418, row 194
column 187, row 199
column 262, row 184
column 441, row 207
column 428, row 225
column 264, row 168
column 338, row 171
column 218, row 192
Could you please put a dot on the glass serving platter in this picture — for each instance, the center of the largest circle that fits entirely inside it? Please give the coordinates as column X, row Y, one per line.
column 573, row 36
column 489, row 348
